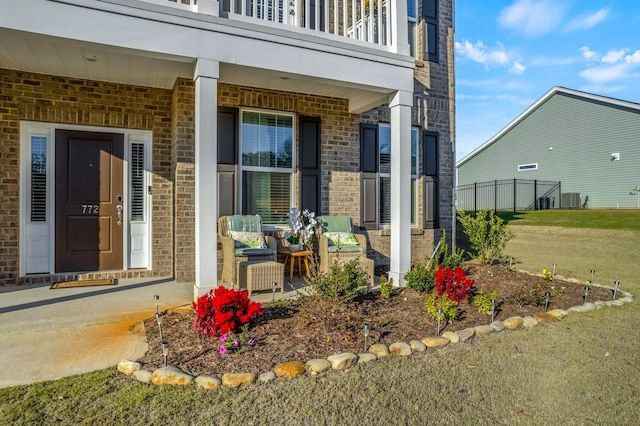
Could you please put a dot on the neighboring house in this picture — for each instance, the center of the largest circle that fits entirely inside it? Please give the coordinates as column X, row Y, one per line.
column 127, row 127
column 588, row 143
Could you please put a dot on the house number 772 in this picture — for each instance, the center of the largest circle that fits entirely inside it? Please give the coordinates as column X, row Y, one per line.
column 90, row 208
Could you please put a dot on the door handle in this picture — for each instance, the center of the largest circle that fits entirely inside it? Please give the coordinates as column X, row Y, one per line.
column 119, row 210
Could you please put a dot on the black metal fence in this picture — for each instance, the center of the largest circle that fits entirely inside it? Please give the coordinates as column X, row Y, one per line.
column 509, row 194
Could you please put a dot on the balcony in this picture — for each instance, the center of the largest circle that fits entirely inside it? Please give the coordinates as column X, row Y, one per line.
column 362, row 20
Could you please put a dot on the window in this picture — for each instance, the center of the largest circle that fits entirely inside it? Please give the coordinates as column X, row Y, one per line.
column 137, row 182
column 38, row 179
column 266, row 164
column 412, row 13
column 525, row 167
column 384, row 144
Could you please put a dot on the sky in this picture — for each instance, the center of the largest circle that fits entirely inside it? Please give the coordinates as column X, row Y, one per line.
column 510, row 53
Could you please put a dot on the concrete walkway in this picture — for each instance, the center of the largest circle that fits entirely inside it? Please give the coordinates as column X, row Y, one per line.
column 47, row 334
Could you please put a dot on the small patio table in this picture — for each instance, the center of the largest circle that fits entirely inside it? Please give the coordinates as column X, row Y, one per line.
column 291, row 256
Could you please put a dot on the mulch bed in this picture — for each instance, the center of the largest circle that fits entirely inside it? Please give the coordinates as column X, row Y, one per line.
column 291, row 330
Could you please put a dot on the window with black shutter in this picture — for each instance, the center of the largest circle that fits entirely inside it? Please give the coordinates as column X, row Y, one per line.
column 430, row 30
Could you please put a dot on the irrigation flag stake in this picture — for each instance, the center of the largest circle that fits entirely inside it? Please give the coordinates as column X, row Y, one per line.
column 615, row 288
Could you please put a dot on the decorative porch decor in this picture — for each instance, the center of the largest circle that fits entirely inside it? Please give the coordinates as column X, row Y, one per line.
column 303, row 228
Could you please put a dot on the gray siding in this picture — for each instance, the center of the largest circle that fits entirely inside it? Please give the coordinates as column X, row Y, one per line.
column 571, row 139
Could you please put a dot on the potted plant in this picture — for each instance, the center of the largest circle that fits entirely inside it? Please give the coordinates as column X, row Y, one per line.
column 303, row 228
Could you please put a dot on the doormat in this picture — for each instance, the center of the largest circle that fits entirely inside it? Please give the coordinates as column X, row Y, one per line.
column 84, row 283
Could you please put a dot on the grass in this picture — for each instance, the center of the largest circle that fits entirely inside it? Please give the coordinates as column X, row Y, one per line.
column 588, row 218
column 582, row 370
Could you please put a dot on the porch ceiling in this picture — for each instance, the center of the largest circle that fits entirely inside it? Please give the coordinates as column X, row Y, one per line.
column 42, row 54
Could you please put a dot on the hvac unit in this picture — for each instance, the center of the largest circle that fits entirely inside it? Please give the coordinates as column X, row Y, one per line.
column 571, row 200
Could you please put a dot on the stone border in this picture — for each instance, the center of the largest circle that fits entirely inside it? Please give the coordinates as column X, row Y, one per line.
column 174, row 376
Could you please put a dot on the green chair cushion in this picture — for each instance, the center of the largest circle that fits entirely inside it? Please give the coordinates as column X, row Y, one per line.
column 244, row 223
column 346, row 249
column 336, row 224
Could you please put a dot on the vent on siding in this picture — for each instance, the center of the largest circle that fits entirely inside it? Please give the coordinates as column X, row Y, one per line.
column 38, row 179
column 137, row 182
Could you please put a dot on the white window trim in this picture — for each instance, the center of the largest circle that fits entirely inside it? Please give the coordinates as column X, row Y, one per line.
column 242, row 168
column 32, row 128
column 414, row 177
column 527, row 167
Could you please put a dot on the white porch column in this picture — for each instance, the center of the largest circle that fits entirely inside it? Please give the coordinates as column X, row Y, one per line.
column 206, row 175
column 400, row 31
column 400, row 104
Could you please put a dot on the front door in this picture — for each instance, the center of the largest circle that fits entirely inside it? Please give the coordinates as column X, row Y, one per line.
column 88, row 201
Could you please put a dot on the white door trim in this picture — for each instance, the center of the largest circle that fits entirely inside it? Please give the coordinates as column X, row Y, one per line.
column 37, row 244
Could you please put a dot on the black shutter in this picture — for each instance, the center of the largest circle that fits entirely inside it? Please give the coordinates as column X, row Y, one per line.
column 227, row 143
column 310, row 164
column 369, row 153
column 430, row 196
column 430, row 30
column 429, row 153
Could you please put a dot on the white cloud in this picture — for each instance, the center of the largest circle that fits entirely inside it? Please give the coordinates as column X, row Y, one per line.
column 585, row 22
column 517, row 68
column 482, row 54
column 614, row 56
column 633, row 58
column 605, row 73
column 589, row 54
column 532, row 17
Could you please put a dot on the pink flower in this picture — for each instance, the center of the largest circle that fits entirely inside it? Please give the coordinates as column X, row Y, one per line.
column 251, row 342
column 223, row 350
column 223, row 338
column 236, row 343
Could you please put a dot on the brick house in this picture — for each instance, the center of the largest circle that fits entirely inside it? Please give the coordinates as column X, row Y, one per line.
column 127, row 127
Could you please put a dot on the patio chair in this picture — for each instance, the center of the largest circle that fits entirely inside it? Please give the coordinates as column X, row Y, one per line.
column 337, row 242
column 243, row 241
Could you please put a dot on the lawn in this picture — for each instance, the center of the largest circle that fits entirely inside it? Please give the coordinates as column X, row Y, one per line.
column 582, row 370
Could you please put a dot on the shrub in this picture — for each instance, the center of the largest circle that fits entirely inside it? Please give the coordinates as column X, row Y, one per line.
column 419, row 277
column 386, row 286
column 444, row 257
column 454, row 284
column 448, row 308
column 487, row 234
column 534, row 296
column 483, row 301
column 344, row 281
column 222, row 310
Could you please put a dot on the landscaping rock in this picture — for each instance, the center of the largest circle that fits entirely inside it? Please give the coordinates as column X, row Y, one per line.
column 379, row 350
column 400, row 348
column 208, row 382
column 466, row 334
column 543, row 317
column 617, row 302
column 483, row 330
column 558, row 313
column 513, row 323
column 497, row 325
column 366, row 357
column 580, row 308
column 290, row 369
column 451, row 336
column 170, row 376
column 589, row 306
column 267, row 377
column 235, row 380
column 435, row 341
column 417, row 346
column 143, row 376
column 342, row 361
column 128, row 367
column 599, row 304
column 627, row 299
column 529, row 322
column 315, row 366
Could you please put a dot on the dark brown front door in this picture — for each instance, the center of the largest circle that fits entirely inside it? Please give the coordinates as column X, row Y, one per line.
column 89, row 201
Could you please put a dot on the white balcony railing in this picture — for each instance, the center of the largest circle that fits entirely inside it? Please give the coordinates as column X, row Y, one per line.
column 364, row 20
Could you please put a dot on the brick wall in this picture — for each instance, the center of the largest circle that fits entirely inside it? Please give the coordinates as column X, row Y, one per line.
column 44, row 98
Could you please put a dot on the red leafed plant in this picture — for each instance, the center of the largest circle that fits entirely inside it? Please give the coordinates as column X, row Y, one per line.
column 454, row 283
column 223, row 310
